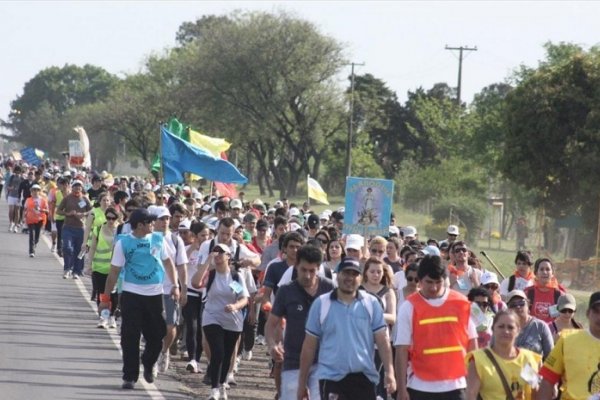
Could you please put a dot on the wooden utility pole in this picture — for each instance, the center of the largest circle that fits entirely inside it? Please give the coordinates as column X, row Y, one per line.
column 351, row 123
column 460, row 49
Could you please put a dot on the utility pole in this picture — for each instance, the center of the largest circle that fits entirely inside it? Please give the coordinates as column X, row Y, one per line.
column 351, row 124
column 460, row 49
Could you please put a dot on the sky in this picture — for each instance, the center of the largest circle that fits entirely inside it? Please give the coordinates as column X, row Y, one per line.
column 401, row 43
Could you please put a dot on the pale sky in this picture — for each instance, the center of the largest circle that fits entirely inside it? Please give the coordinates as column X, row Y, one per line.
column 401, row 43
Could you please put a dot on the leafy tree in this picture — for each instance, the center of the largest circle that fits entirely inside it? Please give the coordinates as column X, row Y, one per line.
column 48, row 96
column 274, row 75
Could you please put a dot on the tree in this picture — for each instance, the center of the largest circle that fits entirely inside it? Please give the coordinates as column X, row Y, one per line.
column 553, row 135
column 48, row 96
column 274, row 74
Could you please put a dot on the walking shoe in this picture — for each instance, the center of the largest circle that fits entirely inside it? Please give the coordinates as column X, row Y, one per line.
column 260, row 339
column 128, row 385
column 112, row 323
column 75, row 276
column 214, row 394
column 223, row 392
column 67, row 274
column 163, row 362
column 101, row 323
column 53, row 249
column 231, row 379
column 206, row 378
column 31, row 255
column 11, row 226
column 236, row 365
column 247, row 355
column 192, row 366
column 149, row 374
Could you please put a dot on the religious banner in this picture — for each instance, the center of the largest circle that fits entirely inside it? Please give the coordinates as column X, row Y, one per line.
column 368, row 206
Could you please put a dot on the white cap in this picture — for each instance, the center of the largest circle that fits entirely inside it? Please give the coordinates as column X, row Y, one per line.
column 354, row 241
column 185, row 224
column 489, row 277
column 431, row 250
column 293, row 212
column 159, row 211
column 453, row 230
column 409, row 231
column 294, row 227
column 324, row 216
column 278, row 204
column 235, row 203
column 394, row 230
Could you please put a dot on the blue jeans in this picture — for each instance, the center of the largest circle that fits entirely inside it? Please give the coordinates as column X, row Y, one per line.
column 72, row 240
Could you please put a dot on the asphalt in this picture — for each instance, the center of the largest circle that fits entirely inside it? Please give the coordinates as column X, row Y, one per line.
column 50, row 347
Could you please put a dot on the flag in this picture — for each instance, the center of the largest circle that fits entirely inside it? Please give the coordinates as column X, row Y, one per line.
column 215, row 145
column 315, row 191
column 85, row 145
column 31, row 156
column 179, row 157
column 176, row 128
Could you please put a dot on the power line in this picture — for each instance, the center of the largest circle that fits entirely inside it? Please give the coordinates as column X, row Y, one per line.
column 460, row 49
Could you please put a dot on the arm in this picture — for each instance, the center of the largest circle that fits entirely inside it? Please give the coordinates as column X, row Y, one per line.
column 547, row 340
column 182, row 274
column 401, row 368
column 307, row 357
column 472, row 345
column 201, row 271
column 473, row 381
column 273, row 335
column 111, row 281
column 172, row 274
column 238, row 305
column 390, row 307
column 89, row 221
column 385, row 352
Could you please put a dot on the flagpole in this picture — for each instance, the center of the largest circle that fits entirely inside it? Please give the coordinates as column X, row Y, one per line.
column 307, row 190
column 161, row 176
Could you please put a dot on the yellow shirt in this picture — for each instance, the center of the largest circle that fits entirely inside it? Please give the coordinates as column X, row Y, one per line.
column 491, row 384
column 576, row 357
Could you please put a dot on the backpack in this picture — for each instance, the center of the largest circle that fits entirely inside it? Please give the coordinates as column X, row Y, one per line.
column 511, row 282
column 531, row 294
column 367, row 301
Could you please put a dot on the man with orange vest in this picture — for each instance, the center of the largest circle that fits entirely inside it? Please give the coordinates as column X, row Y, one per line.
column 434, row 332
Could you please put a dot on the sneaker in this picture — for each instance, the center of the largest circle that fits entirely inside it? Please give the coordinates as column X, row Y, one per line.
column 149, row 374
column 192, row 366
column 11, row 226
column 112, row 323
column 163, row 362
column 236, row 365
column 53, row 248
column 215, row 394
column 231, row 380
column 260, row 339
column 67, row 274
column 247, row 355
column 101, row 323
column 31, row 255
column 75, row 276
column 128, row 385
column 223, row 392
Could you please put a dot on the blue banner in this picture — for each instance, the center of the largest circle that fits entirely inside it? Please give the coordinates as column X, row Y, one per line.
column 30, row 157
column 368, row 206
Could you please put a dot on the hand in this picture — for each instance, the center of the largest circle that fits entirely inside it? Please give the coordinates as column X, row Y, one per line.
column 390, row 383
column 175, row 293
column 87, row 271
column 103, row 306
column 402, row 394
column 229, row 308
column 277, row 352
column 303, row 393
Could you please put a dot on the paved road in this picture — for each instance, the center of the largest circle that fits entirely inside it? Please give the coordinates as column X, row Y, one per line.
column 50, row 347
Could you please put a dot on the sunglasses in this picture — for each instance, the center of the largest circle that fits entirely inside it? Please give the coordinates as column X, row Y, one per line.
column 566, row 311
column 218, row 250
column 461, row 250
column 483, row 304
column 517, row 304
column 491, row 286
column 377, row 251
column 323, row 241
column 411, row 279
column 111, row 218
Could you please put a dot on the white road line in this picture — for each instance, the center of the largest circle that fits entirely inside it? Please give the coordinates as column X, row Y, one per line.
column 150, row 388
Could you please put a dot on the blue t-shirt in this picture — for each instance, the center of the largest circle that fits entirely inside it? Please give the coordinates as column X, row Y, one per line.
column 346, row 337
column 274, row 274
column 143, row 259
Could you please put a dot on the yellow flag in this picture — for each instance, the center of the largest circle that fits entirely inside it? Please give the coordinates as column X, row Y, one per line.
column 315, row 191
column 214, row 145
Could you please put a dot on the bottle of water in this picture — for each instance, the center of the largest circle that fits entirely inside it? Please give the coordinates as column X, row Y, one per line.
column 105, row 314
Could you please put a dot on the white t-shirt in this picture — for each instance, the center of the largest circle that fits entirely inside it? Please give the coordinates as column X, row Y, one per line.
column 118, row 260
column 245, row 252
column 520, row 284
column 403, row 336
column 219, row 295
column 177, row 255
column 192, row 269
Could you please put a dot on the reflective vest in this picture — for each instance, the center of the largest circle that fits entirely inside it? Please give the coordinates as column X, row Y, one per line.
column 440, row 337
column 58, row 197
column 99, row 218
column 102, row 256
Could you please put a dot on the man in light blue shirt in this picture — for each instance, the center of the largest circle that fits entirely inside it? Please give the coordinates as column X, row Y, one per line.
column 344, row 325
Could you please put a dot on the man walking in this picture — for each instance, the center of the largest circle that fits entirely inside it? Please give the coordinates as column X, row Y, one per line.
column 144, row 257
column 344, row 324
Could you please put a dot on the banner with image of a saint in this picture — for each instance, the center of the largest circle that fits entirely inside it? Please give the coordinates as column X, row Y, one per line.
column 368, row 206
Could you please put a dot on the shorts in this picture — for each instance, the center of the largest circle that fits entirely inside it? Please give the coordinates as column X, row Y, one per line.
column 13, row 201
column 171, row 310
column 289, row 384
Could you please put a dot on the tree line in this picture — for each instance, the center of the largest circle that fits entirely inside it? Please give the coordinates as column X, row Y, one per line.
column 269, row 84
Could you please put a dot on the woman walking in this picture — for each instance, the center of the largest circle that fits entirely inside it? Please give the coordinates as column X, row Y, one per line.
column 36, row 212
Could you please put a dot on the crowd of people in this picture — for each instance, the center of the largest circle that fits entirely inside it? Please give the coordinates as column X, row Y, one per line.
column 343, row 316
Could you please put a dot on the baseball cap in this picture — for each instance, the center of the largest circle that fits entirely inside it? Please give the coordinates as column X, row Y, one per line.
column 235, row 203
column 351, row 264
column 354, row 241
column 250, row 217
column 566, row 301
column 140, row 215
column 293, row 212
column 519, row 293
column 278, row 204
column 185, row 225
column 223, row 247
column 489, row 277
column 313, row 221
column 453, row 230
column 431, row 250
column 159, row 211
column 324, row 216
column 35, row 186
column 594, row 299
column 77, row 182
column 409, row 231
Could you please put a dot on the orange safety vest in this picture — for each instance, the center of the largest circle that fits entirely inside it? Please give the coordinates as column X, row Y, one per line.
column 33, row 217
column 440, row 337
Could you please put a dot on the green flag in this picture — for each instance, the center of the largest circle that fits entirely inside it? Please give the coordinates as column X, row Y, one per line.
column 177, row 129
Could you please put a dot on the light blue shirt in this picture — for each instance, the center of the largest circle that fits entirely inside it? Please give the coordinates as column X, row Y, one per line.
column 346, row 337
